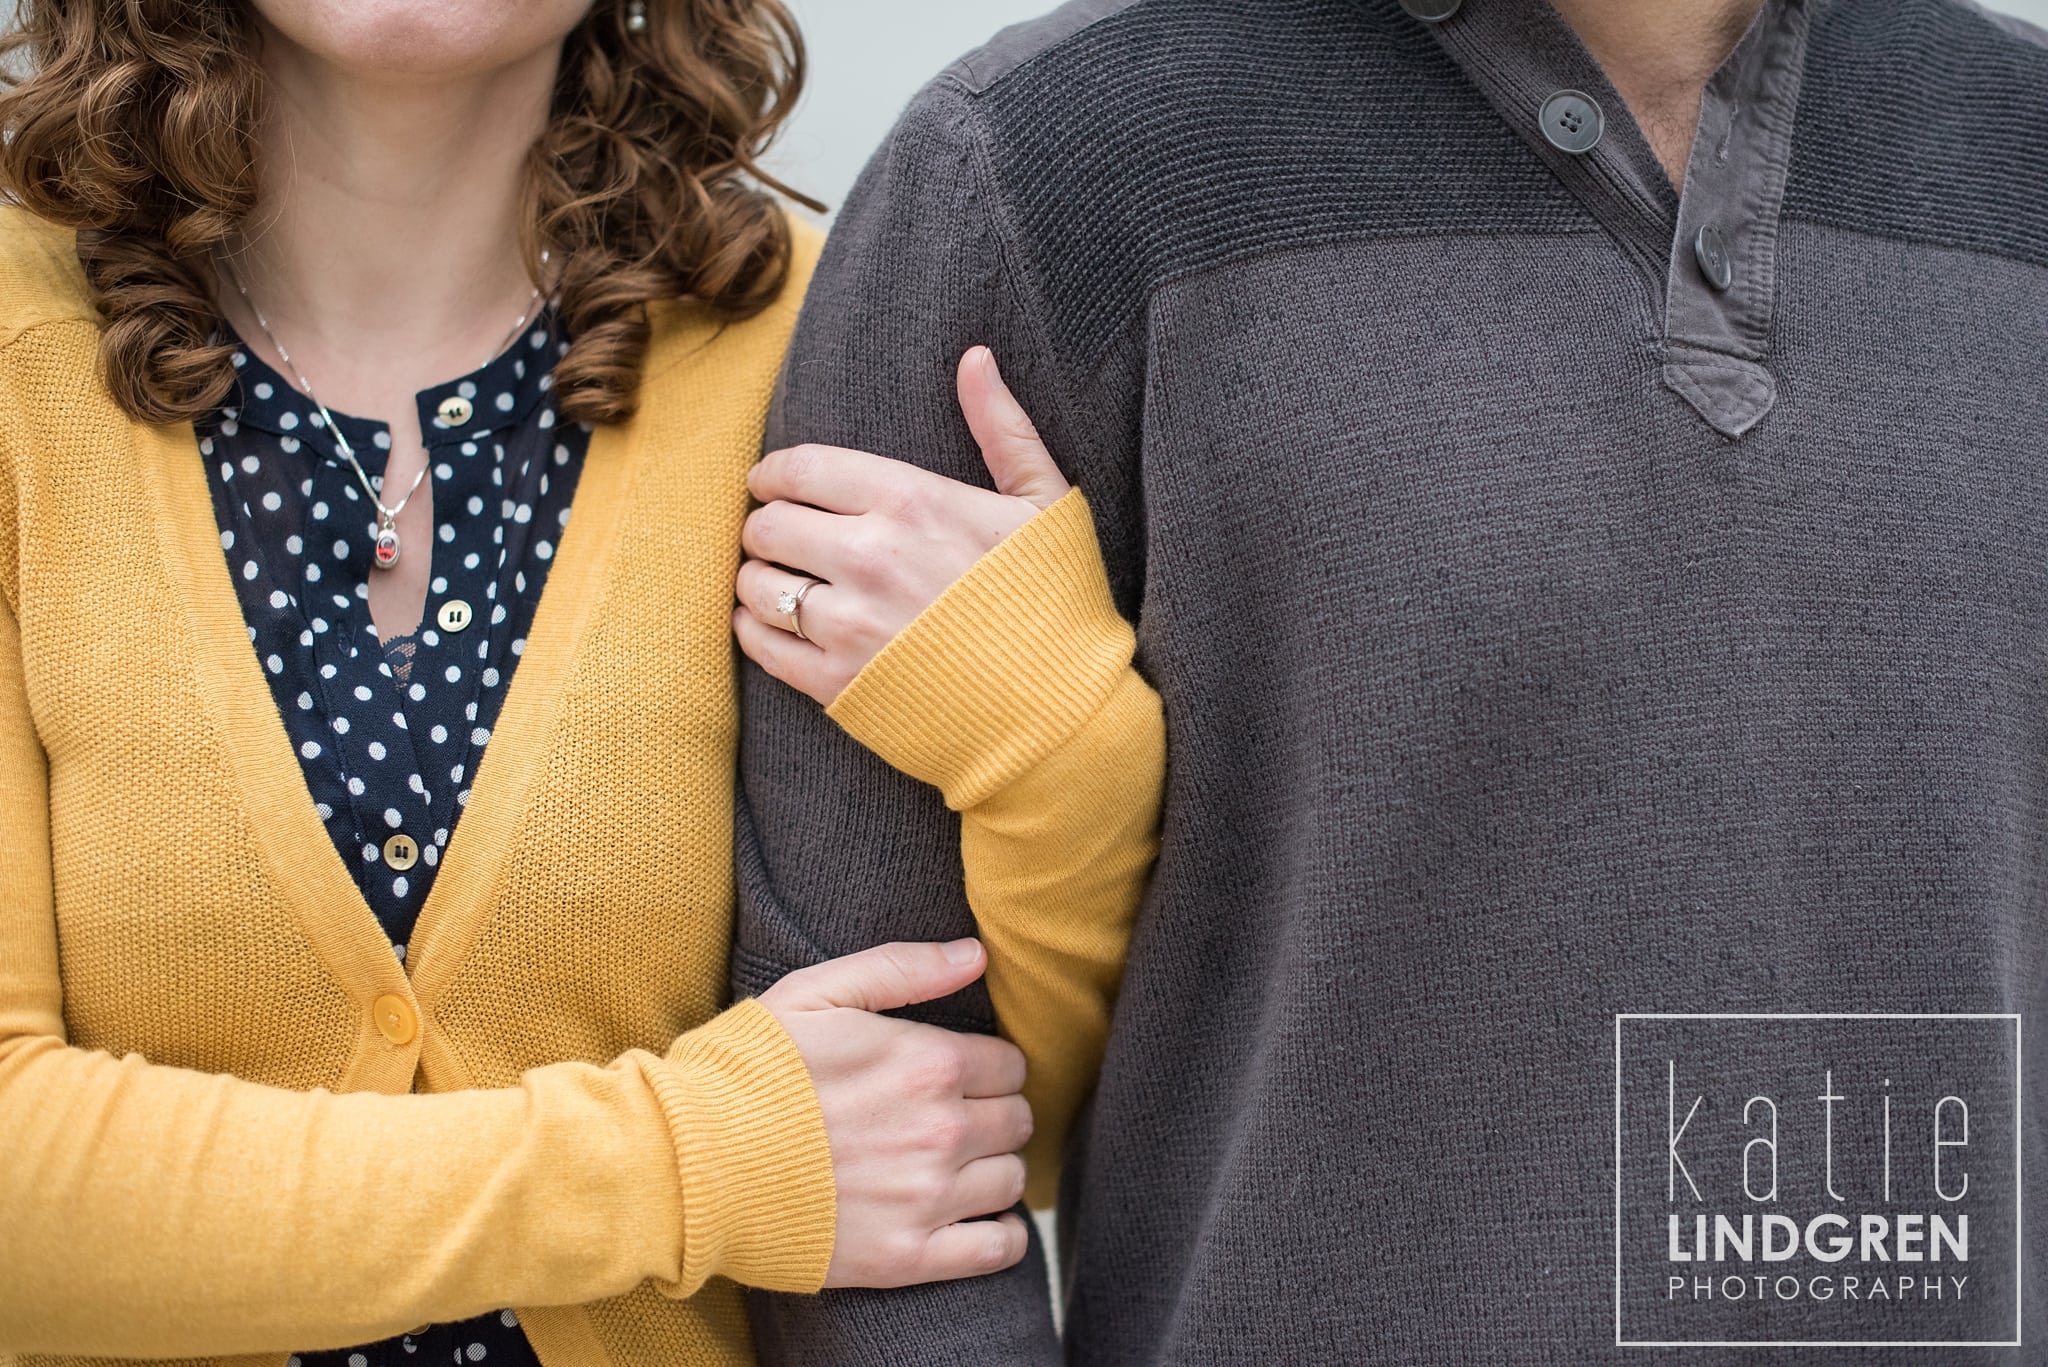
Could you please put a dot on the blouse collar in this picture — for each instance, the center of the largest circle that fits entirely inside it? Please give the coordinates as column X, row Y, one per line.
column 499, row 395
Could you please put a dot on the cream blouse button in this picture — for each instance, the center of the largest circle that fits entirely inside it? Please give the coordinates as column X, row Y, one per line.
column 455, row 615
column 456, row 410
column 401, row 852
column 395, row 1019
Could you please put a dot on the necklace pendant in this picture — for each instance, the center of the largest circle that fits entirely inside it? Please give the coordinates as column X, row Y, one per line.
column 387, row 548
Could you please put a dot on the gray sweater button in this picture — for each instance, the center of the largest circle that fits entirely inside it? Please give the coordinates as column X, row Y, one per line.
column 1432, row 11
column 1711, row 250
column 1572, row 122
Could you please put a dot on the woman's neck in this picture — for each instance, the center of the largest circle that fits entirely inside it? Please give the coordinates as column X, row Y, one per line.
column 385, row 251
column 385, row 248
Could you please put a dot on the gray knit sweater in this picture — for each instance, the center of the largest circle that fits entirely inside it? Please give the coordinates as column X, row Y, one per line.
column 1571, row 599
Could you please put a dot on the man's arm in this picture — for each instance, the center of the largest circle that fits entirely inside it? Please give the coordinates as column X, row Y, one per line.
column 836, row 848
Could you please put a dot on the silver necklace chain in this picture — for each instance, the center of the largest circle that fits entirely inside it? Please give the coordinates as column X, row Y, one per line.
column 386, row 551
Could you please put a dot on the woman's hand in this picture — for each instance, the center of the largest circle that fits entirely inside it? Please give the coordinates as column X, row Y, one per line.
column 875, row 540
column 924, row 1123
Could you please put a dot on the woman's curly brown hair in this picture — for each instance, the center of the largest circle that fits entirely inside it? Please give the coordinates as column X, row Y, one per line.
column 135, row 122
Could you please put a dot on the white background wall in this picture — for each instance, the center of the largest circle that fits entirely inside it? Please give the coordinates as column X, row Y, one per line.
column 869, row 56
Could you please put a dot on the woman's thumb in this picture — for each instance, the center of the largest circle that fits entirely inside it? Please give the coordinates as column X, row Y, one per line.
column 885, row 977
column 1009, row 440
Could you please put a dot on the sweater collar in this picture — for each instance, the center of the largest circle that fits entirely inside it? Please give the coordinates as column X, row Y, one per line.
column 1707, row 254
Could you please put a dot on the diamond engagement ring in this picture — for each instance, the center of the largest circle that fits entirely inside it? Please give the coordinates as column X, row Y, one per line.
column 790, row 603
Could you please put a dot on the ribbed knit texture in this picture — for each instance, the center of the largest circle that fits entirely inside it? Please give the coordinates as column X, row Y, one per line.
column 1924, row 121
column 970, row 731
column 1194, row 180
column 765, row 1120
column 1058, row 771
column 1505, row 693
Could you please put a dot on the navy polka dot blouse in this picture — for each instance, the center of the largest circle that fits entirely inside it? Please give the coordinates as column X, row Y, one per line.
column 390, row 735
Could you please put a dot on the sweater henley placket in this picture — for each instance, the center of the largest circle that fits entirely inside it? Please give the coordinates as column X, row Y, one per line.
column 1708, row 255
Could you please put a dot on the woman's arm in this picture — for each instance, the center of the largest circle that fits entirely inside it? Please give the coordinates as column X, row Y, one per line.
column 1014, row 694
column 155, row 1211
column 970, row 640
column 161, row 1211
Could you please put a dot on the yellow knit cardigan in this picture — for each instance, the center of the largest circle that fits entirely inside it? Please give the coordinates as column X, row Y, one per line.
column 232, row 1123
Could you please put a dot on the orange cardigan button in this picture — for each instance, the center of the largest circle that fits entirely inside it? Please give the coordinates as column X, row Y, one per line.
column 395, row 1018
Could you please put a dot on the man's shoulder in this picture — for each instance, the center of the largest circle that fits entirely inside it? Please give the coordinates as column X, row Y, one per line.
column 1127, row 107
column 1085, row 45
column 1126, row 144
column 1923, row 119
column 1021, row 43
column 2005, row 53
column 2012, row 26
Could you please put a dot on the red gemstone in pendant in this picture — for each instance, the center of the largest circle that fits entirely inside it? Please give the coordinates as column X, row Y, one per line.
column 387, row 548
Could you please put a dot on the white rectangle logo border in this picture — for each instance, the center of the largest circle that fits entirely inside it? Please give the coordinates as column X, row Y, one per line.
column 2018, row 1159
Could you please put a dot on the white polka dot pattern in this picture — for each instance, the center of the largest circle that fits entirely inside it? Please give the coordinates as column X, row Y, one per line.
column 386, row 733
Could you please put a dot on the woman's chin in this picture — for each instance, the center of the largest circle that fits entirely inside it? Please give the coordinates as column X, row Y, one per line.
column 385, row 40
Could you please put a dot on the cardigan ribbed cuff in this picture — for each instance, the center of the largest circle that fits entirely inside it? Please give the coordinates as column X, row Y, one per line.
column 759, row 1201
column 1010, row 661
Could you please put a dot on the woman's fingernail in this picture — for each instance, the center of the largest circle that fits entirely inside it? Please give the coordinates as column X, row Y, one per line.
column 962, row 951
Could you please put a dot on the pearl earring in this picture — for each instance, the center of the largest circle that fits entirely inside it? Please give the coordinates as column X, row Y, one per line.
column 636, row 16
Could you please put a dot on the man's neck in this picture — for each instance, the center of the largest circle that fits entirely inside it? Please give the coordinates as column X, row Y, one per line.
column 1659, row 54
column 390, row 213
